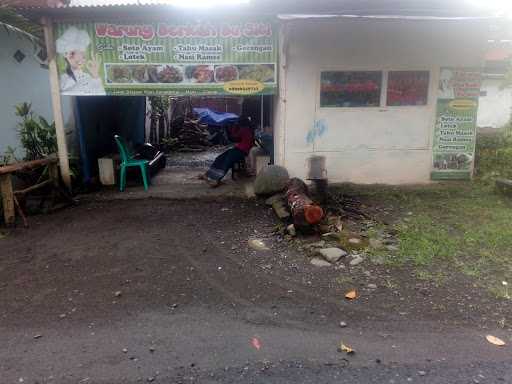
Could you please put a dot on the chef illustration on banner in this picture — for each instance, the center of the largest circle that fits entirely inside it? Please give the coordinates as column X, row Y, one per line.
column 446, row 88
column 81, row 76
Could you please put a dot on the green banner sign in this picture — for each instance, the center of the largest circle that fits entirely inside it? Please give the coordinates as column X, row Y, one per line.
column 188, row 58
column 455, row 129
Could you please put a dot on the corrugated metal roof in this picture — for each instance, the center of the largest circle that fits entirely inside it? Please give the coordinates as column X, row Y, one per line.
column 93, row 3
column 113, row 3
column 395, row 8
column 101, row 3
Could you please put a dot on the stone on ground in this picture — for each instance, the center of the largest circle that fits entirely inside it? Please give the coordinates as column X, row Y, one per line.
column 258, row 245
column 504, row 186
column 291, row 230
column 357, row 259
column 318, row 262
column 332, row 255
column 272, row 179
column 376, row 243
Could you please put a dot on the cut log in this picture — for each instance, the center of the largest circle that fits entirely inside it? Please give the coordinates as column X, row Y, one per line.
column 304, row 211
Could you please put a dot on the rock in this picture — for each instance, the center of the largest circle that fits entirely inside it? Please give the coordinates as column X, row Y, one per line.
column 38, row 336
column 354, row 240
column 343, row 324
column 281, row 209
column 422, row 373
column 376, row 243
column 318, row 262
column 151, row 379
column 331, row 236
column 271, row 179
column 272, row 199
column 291, row 230
column 392, row 248
column 504, row 186
column 372, row 286
column 357, row 259
column 125, row 350
column 151, row 349
column 258, row 245
column 332, row 255
column 378, row 260
column 62, row 316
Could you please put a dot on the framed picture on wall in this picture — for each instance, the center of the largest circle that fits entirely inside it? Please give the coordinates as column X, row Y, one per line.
column 349, row 89
column 407, row 88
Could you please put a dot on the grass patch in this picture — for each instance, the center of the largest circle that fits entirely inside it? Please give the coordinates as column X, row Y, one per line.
column 423, row 241
column 460, row 226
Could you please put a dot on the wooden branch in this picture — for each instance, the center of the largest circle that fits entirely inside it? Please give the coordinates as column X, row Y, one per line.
column 26, row 165
column 20, row 211
column 33, row 187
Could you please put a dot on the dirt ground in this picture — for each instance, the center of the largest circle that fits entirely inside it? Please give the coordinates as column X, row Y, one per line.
column 170, row 291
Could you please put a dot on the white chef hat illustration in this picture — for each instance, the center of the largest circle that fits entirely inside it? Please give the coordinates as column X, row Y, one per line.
column 73, row 39
column 446, row 74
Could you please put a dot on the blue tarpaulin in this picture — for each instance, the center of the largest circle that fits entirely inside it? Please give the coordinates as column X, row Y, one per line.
column 207, row 116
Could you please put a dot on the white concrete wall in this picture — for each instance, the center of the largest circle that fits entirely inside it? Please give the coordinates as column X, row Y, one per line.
column 365, row 145
column 20, row 82
column 495, row 108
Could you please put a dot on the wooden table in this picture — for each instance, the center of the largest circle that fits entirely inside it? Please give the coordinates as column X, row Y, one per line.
column 9, row 200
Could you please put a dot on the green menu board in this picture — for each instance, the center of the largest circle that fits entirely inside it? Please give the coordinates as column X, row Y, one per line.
column 455, row 127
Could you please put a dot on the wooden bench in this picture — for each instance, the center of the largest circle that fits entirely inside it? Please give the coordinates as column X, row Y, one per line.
column 9, row 200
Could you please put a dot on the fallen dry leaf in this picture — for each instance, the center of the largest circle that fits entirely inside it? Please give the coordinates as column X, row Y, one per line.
column 256, row 343
column 494, row 340
column 347, row 349
column 351, row 295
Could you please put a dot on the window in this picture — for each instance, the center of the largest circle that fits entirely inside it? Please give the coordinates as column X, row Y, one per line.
column 350, row 89
column 407, row 88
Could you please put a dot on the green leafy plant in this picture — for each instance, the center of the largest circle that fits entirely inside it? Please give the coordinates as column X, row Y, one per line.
column 493, row 157
column 12, row 22
column 159, row 105
column 9, row 156
column 37, row 135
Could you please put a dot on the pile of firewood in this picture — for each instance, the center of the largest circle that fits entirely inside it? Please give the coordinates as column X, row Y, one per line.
column 188, row 136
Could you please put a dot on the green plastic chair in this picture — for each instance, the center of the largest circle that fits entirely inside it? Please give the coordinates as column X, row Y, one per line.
column 127, row 160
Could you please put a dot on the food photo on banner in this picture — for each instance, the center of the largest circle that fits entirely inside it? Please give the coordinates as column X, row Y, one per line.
column 201, row 58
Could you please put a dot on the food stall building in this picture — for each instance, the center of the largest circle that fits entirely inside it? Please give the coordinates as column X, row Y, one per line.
column 384, row 94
